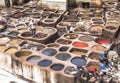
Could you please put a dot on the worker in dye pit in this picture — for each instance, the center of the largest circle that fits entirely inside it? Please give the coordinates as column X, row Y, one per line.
column 69, row 29
column 32, row 26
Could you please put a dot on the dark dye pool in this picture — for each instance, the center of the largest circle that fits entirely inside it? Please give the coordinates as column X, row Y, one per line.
column 78, row 61
column 57, row 67
column 63, row 49
column 63, row 56
column 49, row 52
column 45, row 63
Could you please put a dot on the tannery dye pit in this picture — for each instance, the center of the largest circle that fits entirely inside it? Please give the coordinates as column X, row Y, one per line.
column 57, row 41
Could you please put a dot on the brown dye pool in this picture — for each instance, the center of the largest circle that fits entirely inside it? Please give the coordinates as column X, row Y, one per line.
column 98, row 48
column 57, row 67
column 49, row 20
column 111, row 27
column 78, row 51
column 22, row 30
column 70, row 36
column 63, row 24
column 64, row 42
column 11, row 50
column 114, row 24
column 63, row 56
column 98, row 22
column 49, row 52
column 23, row 54
column 45, row 63
column 15, row 42
column 53, row 45
column 33, row 59
column 26, row 34
column 86, row 38
column 2, row 48
column 41, row 35
column 38, row 28
column 78, row 61
column 94, row 56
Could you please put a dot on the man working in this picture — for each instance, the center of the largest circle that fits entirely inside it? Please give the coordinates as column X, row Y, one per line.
column 32, row 27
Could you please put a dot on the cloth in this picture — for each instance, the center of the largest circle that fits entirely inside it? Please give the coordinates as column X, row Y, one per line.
column 102, row 56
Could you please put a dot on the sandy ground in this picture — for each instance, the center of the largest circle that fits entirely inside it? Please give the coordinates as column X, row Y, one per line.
column 7, row 77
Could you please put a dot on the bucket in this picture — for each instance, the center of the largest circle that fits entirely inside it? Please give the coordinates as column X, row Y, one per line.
column 98, row 48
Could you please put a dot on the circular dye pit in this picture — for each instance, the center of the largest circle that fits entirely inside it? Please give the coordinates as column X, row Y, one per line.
column 41, row 35
column 64, row 42
column 86, row 38
column 35, row 47
column 78, row 61
column 13, row 33
column 103, row 41
column 21, row 30
column 69, row 69
column 20, row 26
column 53, row 45
column 70, row 36
column 94, row 56
column 49, row 52
column 57, row 67
column 45, row 63
column 2, row 48
column 63, row 24
column 48, row 31
column 33, row 59
column 4, row 39
column 11, row 50
column 63, row 56
column 111, row 28
column 15, row 42
column 26, row 34
column 112, row 24
column 63, row 49
column 78, row 51
column 80, row 44
column 23, row 54
column 98, row 48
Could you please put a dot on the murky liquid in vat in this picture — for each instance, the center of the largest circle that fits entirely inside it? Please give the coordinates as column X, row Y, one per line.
column 33, row 59
column 11, row 50
column 15, row 42
column 63, row 56
column 78, row 51
column 94, row 56
column 48, row 31
column 57, row 67
column 53, row 45
column 78, row 61
column 86, row 38
column 98, row 48
column 49, row 52
column 45, row 63
column 22, row 30
column 63, row 49
column 2, row 47
column 4, row 39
